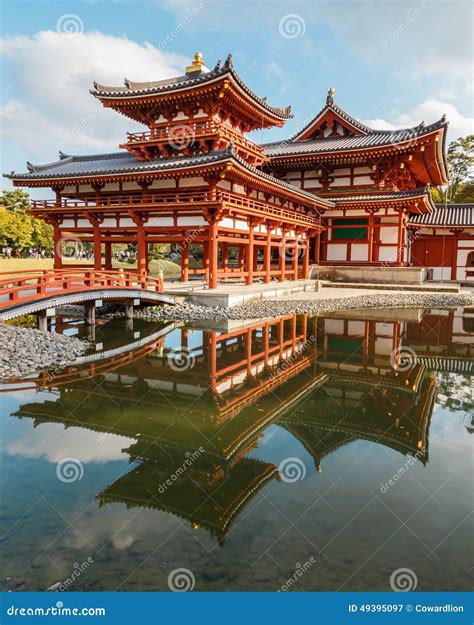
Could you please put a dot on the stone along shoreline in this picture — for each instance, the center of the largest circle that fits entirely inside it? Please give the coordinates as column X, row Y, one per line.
column 305, row 303
column 24, row 351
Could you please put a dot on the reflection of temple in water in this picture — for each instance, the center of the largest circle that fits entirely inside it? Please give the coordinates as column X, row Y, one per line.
column 194, row 422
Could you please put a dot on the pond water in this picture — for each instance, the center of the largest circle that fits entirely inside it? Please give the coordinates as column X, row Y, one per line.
column 300, row 453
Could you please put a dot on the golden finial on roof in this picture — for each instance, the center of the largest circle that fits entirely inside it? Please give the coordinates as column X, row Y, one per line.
column 197, row 64
column 330, row 98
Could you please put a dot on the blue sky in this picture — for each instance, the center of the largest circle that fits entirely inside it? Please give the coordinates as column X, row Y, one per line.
column 392, row 63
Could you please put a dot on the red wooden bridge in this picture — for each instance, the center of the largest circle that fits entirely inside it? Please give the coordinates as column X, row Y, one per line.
column 34, row 291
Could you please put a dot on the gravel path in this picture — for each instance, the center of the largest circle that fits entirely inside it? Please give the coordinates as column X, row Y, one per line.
column 306, row 303
column 24, row 351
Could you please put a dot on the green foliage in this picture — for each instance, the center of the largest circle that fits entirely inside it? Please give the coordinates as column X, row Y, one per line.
column 461, row 173
column 18, row 229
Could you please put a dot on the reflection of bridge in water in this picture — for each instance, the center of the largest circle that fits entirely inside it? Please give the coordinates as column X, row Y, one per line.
column 328, row 382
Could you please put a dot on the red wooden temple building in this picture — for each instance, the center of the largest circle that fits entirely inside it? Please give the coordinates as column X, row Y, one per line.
column 336, row 193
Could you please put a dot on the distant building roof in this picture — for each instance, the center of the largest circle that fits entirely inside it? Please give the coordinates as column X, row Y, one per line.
column 450, row 216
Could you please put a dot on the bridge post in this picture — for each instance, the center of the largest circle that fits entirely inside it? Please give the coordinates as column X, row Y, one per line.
column 128, row 307
column 89, row 313
column 43, row 319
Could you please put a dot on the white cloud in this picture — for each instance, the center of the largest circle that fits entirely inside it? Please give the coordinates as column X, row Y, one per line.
column 429, row 112
column 48, row 104
column 58, row 443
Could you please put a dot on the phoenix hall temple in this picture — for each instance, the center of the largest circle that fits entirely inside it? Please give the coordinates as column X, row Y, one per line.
column 337, row 193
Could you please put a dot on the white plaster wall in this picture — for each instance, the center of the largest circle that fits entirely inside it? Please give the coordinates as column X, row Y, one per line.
column 341, row 182
column 83, row 223
column 190, row 182
column 389, row 234
column 356, row 328
column 68, row 223
column 126, row 222
column 337, row 251
column 108, row 223
column 334, row 326
column 130, row 186
column 388, row 254
column 162, row 184
column 192, row 221
column 383, row 329
column 363, row 180
column 155, row 221
column 360, row 251
column 383, row 346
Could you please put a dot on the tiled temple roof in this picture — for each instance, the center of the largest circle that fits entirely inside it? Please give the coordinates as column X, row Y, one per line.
column 112, row 163
column 452, row 215
column 69, row 166
column 373, row 138
column 187, row 81
column 334, row 108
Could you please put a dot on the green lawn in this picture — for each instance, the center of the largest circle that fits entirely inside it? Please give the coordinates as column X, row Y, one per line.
column 170, row 269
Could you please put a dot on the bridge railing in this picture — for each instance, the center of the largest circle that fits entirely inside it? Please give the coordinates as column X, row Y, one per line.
column 33, row 285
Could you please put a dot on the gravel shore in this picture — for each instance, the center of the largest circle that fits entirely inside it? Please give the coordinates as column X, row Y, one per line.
column 284, row 306
column 24, row 351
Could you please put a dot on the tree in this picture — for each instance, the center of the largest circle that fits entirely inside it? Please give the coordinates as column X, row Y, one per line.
column 461, row 172
column 18, row 229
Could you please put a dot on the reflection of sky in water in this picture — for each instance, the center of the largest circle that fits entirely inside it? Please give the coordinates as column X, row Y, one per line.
column 342, row 510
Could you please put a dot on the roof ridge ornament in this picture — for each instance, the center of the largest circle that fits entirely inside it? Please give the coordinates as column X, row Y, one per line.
column 229, row 63
column 330, row 96
column 197, row 65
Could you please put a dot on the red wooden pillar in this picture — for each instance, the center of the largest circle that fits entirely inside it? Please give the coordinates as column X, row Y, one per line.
column 248, row 351
column 213, row 252
column 266, row 343
column 295, row 258
column 370, row 234
column 250, row 258
column 108, row 255
column 97, row 248
column 58, row 258
column 317, row 245
column 401, row 236
column 185, row 262
column 225, row 257
column 241, row 258
column 205, row 260
column 142, row 265
column 306, row 258
column 268, row 254
column 282, row 259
